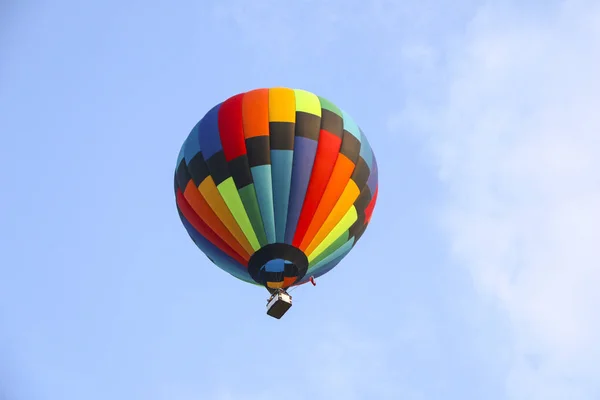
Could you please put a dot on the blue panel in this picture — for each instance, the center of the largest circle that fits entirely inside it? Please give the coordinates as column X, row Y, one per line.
column 219, row 258
column 373, row 177
column 281, row 164
column 192, row 144
column 210, row 141
column 264, row 193
column 329, row 262
column 339, row 252
column 276, row 265
column 327, row 267
column 180, row 156
column 351, row 126
column 304, row 157
column 321, row 271
column 365, row 150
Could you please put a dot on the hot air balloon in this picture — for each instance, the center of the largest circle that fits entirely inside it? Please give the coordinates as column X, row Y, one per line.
column 276, row 186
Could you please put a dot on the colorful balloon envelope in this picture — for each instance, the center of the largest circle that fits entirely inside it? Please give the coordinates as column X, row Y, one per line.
column 276, row 186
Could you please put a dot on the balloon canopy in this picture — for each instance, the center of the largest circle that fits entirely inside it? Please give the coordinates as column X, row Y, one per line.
column 276, row 185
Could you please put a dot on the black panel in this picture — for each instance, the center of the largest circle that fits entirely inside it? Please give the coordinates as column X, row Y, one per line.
column 357, row 226
column 282, row 135
column 259, row 150
column 332, row 123
column 361, row 204
column 363, row 200
column 217, row 165
column 198, row 169
column 240, row 170
column 359, row 232
column 270, row 276
column 308, row 125
column 277, row 251
column 361, row 173
column 290, row 270
column 350, row 147
column 183, row 176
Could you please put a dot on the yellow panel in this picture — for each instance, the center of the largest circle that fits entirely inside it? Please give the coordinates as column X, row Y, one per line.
column 348, row 197
column 282, row 105
column 338, row 181
column 275, row 285
column 231, row 196
column 215, row 201
column 345, row 224
column 307, row 102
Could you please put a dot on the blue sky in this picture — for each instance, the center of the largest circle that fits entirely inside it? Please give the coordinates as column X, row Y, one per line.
column 477, row 278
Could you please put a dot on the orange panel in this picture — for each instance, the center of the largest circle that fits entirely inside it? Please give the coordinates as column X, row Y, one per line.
column 201, row 207
column 204, row 230
column 275, row 285
column 282, row 105
column 342, row 171
column 213, row 197
column 347, row 199
column 255, row 113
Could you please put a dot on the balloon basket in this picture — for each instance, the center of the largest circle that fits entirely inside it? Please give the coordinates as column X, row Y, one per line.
column 278, row 304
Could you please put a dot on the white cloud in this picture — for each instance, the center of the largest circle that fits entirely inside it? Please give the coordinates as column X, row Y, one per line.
column 517, row 139
column 516, row 134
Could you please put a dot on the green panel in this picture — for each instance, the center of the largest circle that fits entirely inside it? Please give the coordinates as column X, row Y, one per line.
column 339, row 242
column 248, row 196
column 232, row 199
column 326, row 104
column 343, row 226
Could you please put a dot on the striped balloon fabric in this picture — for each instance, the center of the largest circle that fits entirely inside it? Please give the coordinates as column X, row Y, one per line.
column 276, row 185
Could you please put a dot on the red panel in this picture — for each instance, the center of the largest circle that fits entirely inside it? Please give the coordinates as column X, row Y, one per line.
column 288, row 281
column 204, row 229
column 327, row 153
column 342, row 171
column 371, row 206
column 201, row 207
column 231, row 127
